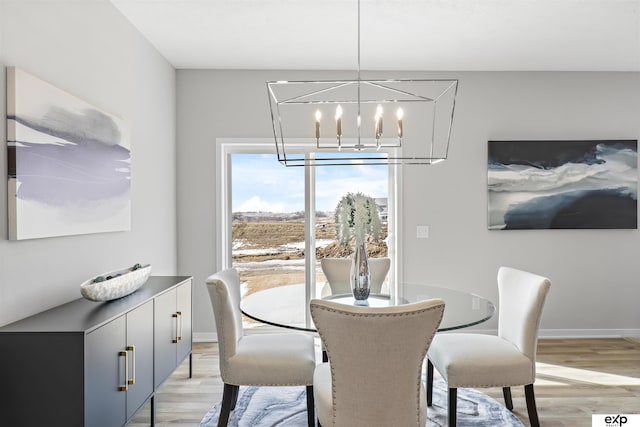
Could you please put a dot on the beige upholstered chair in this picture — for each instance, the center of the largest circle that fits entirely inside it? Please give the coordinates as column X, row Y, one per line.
column 338, row 270
column 373, row 377
column 258, row 360
column 505, row 360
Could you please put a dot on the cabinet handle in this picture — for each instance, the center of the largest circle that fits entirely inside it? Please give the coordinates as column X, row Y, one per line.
column 132, row 349
column 181, row 322
column 175, row 316
column 125, row 387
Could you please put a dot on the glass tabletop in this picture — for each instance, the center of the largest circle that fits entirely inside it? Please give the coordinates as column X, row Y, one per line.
column 284, row 306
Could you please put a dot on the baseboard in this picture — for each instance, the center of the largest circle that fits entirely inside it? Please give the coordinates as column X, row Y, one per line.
column 571, row 333
column 205, row 337
column 544, row 333
column 589, row 333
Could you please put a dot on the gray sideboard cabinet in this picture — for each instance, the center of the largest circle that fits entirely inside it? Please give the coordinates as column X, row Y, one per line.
column 94, row 364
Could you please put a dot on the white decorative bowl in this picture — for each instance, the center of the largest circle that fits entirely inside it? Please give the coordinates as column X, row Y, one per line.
column 117, row 287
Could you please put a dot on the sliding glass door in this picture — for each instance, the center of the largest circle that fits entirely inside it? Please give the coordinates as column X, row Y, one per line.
column 277, row 222
column 331, row 184
column 267, row 222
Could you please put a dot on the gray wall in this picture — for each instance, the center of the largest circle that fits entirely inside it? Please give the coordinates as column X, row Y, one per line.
column 594, row 272
column 90, row 50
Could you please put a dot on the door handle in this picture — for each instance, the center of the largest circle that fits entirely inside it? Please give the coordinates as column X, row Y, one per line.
column 125, row 387
column 179, row 313
column 132, row 349
column 175, row 316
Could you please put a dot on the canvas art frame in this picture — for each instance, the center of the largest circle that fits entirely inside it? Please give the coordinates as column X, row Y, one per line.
column 562, row 184
column 69, row 163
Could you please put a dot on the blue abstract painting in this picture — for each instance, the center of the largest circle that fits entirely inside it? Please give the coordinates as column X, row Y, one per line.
column 563, row 184
column 68, row 163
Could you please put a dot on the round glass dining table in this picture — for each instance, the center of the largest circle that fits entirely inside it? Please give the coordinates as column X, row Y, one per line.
column 285, row 306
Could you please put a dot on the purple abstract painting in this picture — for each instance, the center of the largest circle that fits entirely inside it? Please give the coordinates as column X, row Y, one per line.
column 69, row 163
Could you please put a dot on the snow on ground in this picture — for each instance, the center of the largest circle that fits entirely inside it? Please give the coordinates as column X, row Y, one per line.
column 320, row 243
column 284, row 249
column 272, row 264
column 265, row 251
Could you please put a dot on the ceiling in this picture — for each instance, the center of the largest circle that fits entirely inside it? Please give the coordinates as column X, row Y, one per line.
column 564, row 35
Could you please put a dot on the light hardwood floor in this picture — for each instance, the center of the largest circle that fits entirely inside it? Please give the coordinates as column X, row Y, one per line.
column 576, row 378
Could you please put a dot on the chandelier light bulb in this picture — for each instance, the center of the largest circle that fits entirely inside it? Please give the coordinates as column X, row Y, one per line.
column 339, row 126
column 318, row 117
column 400, row 115
column 378, row 119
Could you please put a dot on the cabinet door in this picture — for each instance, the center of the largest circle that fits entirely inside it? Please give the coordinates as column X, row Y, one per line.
column 172, row 330
column 165, row 333
column 105, row 375
column 184, row 324
column 140, row 349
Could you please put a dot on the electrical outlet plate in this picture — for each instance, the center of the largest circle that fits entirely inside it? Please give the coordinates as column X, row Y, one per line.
column 422, row 232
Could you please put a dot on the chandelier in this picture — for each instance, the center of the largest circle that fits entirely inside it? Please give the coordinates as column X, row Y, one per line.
column 345, row 122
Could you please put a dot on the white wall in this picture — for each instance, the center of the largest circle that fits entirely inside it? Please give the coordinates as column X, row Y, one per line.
column 90, row 50
column 595, row 273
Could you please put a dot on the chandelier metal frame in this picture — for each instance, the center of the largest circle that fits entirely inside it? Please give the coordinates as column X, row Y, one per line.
column 421, row 136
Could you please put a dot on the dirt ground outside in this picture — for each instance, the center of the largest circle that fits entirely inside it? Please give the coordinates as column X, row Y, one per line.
column 269, row 252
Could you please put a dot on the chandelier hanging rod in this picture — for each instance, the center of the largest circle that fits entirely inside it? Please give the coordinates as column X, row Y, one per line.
column 358, row 40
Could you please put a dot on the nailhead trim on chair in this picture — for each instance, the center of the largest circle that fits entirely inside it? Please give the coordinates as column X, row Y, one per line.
column 403, row 314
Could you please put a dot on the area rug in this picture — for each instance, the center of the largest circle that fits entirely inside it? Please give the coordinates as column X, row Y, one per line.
column 287, row 407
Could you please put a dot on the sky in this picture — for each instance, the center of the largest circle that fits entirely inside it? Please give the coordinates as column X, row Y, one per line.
column 261, row 183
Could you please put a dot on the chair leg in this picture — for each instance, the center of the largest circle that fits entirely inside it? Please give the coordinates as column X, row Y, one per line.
column 429, row 382
column 311, row 413
column 506, row 392
column 234, row 396
column 227, row 403
column 531, row 405
column 453, row 406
